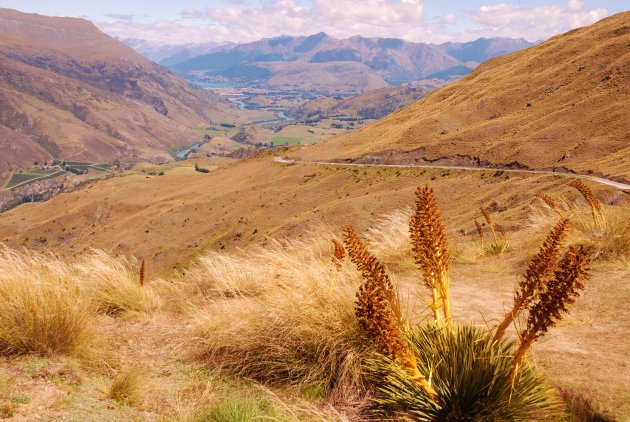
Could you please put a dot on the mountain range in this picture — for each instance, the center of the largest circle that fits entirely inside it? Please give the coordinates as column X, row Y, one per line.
column 70, row 91
column 356, row 64
column 560, row 105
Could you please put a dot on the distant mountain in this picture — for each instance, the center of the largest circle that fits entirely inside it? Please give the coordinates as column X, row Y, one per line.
column 374, row 104
column 484, row 48
column 563, row 104
column 393, row 61
column 169, row 55
column 69, row 90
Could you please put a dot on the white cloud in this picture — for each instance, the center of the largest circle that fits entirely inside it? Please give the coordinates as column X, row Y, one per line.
column 339, row 18
column 345, row 18
column 449, row 19
column 535, row 22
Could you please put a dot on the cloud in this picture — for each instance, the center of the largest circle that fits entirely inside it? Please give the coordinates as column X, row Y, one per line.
column 536, row 22
column 239, row 21
column 449, row 19
column 119, row 17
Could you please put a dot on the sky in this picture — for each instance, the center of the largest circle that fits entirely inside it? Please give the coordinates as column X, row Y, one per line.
column 219, row 21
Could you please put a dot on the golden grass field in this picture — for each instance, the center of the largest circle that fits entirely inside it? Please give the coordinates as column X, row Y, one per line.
column 167, row 342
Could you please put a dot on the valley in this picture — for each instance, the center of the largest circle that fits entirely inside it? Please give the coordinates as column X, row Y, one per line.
column 313, row 227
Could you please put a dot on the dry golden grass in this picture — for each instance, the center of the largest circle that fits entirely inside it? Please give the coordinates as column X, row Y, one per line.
column 114, row 284
column 43, row 308
column 605, row 242
column 126, row 388
column 281, row 314
column 48, row 304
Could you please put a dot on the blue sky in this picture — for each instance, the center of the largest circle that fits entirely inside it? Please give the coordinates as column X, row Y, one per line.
column 200, row 21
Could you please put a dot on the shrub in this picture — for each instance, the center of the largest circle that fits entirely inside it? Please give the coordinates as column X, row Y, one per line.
column 446, row 372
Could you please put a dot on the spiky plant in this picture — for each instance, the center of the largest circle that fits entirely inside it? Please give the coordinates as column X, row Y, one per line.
column 502, row 231
column 142, row 273
column 428, row 239
column 339, row 253
column 378, row 310
column 480, row 232
column 488, row 217
column 497, row 247
column 550, row 202
column 561, row 291
column 471, row 376
column 591, row 200
column 538, row 272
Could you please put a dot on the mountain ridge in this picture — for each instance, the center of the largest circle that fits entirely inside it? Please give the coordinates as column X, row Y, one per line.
column 74, row 91
column 561, row 104
column 394, row 60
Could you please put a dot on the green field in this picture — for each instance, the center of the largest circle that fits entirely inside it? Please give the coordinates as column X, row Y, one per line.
column 26, row 176
column 286, row 140
column 89, row 166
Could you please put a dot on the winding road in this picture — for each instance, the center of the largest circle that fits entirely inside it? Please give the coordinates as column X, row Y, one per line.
column 601, row 180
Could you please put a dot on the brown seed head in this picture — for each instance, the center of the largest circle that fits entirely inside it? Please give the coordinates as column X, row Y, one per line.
column 587, row 194
column 562, row 290
column 541, row 266
column 374, row 275
column 479, row 230
column 376, row 307
column 143, row 271
column 486, row 215
column 501, row 230
column 551, row 203
column 428, row 238
column 339, row 253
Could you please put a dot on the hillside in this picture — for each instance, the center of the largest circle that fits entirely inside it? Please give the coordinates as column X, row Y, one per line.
column 300, row 61
column 374, row 104
column 69, row 90
column 562, row 104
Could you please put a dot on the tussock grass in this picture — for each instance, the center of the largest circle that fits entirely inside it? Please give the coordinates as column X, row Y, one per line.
column 298, row 328
column 604, row 242
column 496, row 249
column 388, row 236
column 114, row 284
column 43, row 309
column 125, row 388
column 47, row 304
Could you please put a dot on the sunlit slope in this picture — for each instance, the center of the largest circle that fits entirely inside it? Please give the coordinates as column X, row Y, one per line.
column 70, row 91
column 562, row 104
column 168, row 219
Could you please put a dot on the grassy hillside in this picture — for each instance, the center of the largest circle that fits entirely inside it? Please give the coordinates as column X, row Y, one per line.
column 70, row 91
column 374, row 104
column 129, row 346
column 562, row 104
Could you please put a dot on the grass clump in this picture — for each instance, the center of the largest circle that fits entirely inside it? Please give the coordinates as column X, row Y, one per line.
column 43, row 309
column 603, row 230
column 498, row 246
column 115, row 284
column 235, row 408
column 297, row 327
column 126, row 388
